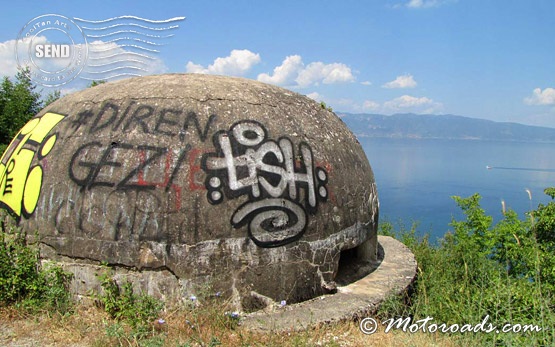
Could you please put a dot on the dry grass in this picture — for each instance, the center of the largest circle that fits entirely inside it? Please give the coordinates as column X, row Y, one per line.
column 90, row 326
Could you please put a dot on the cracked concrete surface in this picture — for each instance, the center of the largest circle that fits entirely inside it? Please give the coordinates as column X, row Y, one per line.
column 394, row 274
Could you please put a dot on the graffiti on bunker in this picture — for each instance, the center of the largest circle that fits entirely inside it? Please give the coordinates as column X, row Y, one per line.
column 147, row 181
column 283, row 185
column 132, row 187
column 20, row 184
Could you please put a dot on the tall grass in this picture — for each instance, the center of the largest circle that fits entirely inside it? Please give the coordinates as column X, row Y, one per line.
column 503, row 271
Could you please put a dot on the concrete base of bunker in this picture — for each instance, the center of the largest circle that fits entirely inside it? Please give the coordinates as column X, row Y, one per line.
column 392, row 271
column 352, row 254
column 393, row 275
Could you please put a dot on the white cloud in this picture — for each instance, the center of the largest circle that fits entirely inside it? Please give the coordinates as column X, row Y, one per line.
column 541, row 97
column 236, row 64
column 318, row 72
column 8, row 62
column 427, row 3
column 366, row 83
column 286, row 73
column 405, row 81
column 315, row 96
column 407, row 103
column 293, row 70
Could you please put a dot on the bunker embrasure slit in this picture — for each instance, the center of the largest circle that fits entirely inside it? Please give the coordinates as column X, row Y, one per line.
column 354, row 266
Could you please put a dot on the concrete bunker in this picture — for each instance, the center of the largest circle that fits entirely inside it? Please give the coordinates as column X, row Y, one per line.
column 181, row 181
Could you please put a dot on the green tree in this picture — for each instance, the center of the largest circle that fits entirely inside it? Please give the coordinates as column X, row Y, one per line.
column 5, row 127
column 51, row 97
column 19, row 102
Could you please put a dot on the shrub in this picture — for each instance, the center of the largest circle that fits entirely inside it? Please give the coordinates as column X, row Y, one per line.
column 24, row 281
column 504, row 270
column 122, row 304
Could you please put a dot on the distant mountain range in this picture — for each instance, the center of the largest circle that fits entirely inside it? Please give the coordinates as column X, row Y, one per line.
column 443, row 127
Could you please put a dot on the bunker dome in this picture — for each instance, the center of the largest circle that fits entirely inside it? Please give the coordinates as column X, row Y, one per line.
column 183, row 180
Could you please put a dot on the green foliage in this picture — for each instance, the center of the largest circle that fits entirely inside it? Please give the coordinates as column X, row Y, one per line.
column 325, row 107
column 19, row 102
column 96, row 83
column 122, row 304
column 25, row 282
column 550, row 191
column 51, row 97
column 505, row 270
column 136, row 316
column 543, row 230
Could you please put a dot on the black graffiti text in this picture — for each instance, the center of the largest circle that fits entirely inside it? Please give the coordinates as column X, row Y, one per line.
column 122, row 166
column 144, row 118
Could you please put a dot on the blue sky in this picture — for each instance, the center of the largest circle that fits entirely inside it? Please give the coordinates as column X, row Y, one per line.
column 485, row 59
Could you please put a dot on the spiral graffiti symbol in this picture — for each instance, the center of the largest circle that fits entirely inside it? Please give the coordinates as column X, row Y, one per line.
column 271, row 222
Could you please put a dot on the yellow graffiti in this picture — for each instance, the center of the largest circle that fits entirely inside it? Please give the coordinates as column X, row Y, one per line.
column 20, row 184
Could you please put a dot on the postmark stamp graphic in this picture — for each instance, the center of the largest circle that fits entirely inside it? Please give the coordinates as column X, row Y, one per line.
column 57, row 49
column 126, row 46
column 53, row 47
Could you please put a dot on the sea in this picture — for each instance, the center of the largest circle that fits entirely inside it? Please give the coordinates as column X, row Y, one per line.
column 416, row 179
